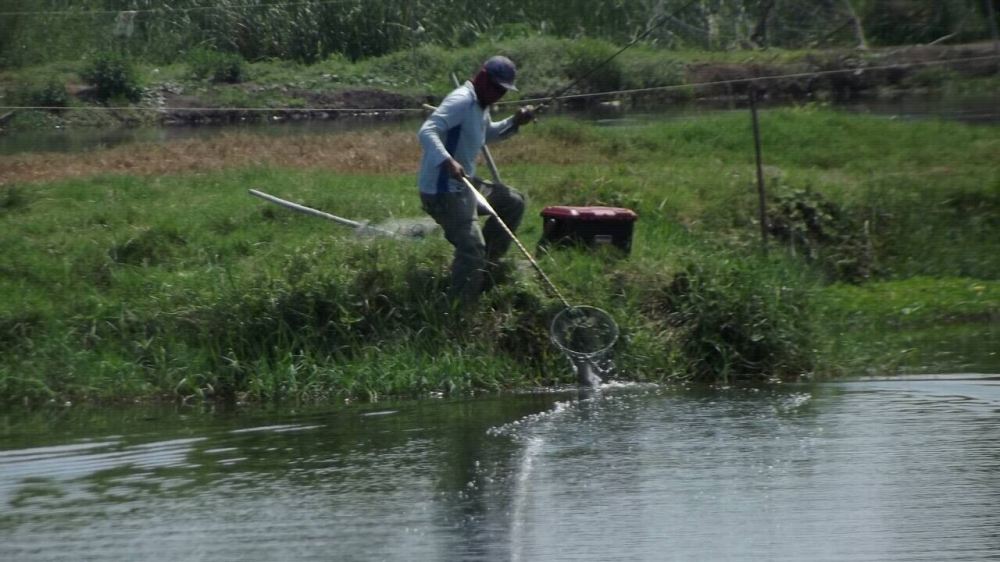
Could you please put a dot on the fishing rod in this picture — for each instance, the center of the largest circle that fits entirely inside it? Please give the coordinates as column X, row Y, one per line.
column 652, row 27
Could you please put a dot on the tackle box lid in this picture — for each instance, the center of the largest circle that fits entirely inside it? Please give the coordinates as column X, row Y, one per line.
column 601, row 214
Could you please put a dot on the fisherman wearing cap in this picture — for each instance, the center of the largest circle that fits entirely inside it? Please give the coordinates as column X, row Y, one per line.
column 451, row 139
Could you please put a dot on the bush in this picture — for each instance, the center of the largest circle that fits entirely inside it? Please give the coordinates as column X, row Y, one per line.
column 825, row 233
column 588, row 63
column 114, row 76
column 50, row 93
column 207, row 64
column 739, row 318
column 650, row 69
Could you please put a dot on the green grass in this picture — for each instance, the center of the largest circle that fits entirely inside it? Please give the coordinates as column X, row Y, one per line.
column 915, row 302
column 118, row 286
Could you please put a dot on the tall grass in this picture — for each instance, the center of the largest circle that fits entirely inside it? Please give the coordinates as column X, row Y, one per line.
column 309, row 31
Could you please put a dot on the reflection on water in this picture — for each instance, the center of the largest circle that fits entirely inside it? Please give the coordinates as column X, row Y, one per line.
column 895, row 469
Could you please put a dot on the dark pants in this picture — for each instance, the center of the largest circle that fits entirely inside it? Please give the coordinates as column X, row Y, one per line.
column 475, row 249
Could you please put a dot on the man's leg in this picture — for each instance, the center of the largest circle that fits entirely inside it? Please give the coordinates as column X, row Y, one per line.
column 509, row 204
column 456, row 213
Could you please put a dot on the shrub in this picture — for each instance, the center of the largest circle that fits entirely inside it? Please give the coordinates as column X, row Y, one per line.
column 588, row 63
column 217, row 66
column 114, row 76
column 50, row 93
column 649, row 69
column 824, row 233
column 739, row 318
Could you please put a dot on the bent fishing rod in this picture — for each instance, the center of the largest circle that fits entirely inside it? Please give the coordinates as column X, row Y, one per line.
column 652, row 27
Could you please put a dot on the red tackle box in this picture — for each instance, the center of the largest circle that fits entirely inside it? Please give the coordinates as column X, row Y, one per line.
column 588, row 226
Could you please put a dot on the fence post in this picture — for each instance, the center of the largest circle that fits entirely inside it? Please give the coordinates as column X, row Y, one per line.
column 992, row 15
column 760, row 168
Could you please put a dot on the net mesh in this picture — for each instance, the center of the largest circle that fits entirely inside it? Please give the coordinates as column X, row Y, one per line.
column 400, row 228
column 584, row 331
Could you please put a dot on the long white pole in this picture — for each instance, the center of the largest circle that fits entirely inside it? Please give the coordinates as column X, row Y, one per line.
column 320, row 214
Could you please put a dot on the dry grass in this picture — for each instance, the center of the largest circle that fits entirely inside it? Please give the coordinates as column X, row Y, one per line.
column 377, row 152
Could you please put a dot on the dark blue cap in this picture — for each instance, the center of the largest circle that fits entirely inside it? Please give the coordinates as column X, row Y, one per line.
column 502, row 71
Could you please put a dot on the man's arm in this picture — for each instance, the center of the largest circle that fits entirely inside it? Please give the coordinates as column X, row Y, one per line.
column 501, row 130
column 449, row 114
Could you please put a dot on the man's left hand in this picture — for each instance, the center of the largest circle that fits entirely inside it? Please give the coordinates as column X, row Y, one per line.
column 524, row 115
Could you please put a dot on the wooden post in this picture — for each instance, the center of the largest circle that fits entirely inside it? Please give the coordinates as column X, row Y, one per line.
column 992, row 15
column 760, row 168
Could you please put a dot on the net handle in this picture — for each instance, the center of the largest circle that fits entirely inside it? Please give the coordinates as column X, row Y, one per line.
column 481, row 199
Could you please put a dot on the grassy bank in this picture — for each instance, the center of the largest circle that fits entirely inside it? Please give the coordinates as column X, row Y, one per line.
column 135, row 281
column 226, row 88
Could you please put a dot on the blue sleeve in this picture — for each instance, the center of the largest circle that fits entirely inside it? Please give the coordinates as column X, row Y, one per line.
column 501, row 130
column 432, row 133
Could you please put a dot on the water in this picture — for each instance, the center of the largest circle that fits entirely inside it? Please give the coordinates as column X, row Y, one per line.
column 978, row 109
column 894, row 469
column 85, row 139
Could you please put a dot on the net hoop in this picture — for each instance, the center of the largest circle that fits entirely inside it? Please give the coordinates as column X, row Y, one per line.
column 584, row 331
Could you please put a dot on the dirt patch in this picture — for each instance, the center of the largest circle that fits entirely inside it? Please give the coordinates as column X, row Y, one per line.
column 358, row 153
column 361, row 152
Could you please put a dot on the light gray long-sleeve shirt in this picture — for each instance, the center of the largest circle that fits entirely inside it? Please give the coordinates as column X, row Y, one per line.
column 458, row 129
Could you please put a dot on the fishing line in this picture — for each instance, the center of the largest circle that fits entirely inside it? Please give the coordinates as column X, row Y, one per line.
column 813, row 74
column 652, row 27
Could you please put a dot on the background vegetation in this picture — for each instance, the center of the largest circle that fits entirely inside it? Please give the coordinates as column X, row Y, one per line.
column 160, row 32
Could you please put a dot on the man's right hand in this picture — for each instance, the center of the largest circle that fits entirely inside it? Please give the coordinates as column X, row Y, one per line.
column 454, row 169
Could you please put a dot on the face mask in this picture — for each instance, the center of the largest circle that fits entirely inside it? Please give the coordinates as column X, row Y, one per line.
column 487, row 90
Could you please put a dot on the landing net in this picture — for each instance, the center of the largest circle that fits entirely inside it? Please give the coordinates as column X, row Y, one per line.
column 584, row 332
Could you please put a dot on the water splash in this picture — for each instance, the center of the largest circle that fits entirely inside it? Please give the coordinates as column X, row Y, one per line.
column 592, row 371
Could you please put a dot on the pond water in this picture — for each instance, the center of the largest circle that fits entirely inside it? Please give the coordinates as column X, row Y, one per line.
column 879, row 469
column 972, row 109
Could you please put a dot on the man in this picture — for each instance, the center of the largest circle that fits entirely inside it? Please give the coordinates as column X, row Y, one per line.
column 451, row 139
